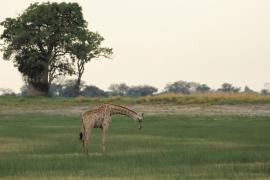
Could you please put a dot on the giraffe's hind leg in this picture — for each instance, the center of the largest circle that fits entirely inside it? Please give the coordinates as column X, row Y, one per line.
column 104, row 139
column 85, row 143
column 84, row 138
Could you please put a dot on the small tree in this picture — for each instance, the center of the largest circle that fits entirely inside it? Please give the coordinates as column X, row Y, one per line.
column 265, row 92
column 64, row 88
column 84, row 49
column 24, row 90
column 141, row 90
column 178, row 87
column 227, row 87
column 203, row 88
column 7, row 92
column 93, row 91
column 186, row 87
column 67, row 88
column 56, row 89
column 118, row 89
column 248, row 90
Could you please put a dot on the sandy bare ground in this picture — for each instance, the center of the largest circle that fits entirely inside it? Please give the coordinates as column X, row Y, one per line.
column 250, row 110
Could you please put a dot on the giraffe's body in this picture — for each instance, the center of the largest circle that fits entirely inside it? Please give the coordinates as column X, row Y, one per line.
column 100, row 117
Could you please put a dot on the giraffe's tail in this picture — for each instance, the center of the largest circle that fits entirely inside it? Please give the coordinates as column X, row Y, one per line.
column 81, row 136
column 82, row 129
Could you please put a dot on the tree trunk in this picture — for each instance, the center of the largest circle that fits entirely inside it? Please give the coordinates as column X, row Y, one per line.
column 77, row 88
column 40, row 86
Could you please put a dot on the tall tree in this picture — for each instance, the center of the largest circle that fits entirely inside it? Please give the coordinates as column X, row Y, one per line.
column 87, row 47
column 37, row 39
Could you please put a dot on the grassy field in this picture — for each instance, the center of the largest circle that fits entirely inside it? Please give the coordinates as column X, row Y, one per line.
column 168, row 147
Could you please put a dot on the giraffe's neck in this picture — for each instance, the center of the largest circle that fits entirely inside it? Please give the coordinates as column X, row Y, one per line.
column 116, row 109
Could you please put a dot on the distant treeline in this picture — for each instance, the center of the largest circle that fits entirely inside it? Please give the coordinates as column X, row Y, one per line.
column 66, row 89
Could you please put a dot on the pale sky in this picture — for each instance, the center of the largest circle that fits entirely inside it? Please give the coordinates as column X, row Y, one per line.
column 156, row 42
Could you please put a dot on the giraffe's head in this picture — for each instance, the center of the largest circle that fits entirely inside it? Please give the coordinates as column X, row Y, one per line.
column 139, row 120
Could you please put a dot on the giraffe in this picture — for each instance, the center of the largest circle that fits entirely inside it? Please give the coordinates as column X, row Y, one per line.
column 100, row 117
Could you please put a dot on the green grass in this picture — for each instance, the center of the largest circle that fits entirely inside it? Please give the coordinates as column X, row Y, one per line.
column 168, row 147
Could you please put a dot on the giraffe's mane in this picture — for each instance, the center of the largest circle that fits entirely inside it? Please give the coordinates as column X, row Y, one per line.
column 122, row 107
